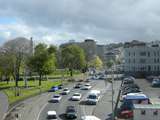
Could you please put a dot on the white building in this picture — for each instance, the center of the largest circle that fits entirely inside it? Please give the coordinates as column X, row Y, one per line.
column 141, row 58
column 146, row 112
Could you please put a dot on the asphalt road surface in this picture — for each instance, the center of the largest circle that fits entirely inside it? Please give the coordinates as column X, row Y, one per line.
column 81, row 108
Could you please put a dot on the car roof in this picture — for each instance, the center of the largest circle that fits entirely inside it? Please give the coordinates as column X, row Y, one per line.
column 76, row 93
column 51, row 112
column 90, row 117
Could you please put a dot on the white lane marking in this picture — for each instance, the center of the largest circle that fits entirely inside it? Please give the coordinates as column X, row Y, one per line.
column 41, row 110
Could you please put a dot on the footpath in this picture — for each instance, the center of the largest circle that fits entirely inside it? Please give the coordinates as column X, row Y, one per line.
column 3, row 104
column 104, row 108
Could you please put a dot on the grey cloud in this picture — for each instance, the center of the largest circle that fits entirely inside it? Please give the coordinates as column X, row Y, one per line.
column 113, row 20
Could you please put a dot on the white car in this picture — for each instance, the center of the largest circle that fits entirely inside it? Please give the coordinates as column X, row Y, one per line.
column 89, row 117
column 86, row 87
column 93, row 97
column 56, row 98
column 52, row 115
column 65, row 91
column 76, row 96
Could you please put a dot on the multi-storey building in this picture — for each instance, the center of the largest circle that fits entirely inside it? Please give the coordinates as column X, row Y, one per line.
column 142, row 59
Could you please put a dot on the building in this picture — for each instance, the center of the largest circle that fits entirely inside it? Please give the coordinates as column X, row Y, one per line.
column 141, row 59
column 146, row 112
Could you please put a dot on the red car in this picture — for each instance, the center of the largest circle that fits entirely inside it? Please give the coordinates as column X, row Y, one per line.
column 126, row 114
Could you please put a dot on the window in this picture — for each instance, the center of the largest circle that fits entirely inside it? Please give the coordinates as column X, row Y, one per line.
column 155, row 112
column 143, row 112
column 142, row 53
column 142, row 60
column 134, row 53
column 154, row 53
column 129, row 54
column 133, row 60
column 129, row 61
column 157, row 60
column 148, row 54
column 154, row 60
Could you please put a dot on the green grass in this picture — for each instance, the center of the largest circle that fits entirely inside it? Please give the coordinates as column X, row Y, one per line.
column 33, row 89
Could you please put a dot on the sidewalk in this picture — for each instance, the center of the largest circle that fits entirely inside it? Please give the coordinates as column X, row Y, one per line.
column 3, row 104
column 104, row 108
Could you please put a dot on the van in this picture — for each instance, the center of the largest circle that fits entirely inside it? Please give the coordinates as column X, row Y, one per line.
column 93, row 97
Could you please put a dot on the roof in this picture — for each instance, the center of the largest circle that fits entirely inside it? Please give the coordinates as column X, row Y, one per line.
column 136, row 96
column 90, row 117
column 51, row 112
column 146, row 106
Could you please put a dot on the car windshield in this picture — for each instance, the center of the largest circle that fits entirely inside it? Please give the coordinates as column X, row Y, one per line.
column 56, row 96
column 76, row 94
column 92, row 96
column 65, row 89
column 87, row 85
column 71, row 110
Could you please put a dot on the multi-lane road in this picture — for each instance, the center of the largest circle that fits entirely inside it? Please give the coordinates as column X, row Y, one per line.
column 81, row 107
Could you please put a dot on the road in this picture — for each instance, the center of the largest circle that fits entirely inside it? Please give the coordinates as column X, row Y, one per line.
column 36, row 108
column 100, row 110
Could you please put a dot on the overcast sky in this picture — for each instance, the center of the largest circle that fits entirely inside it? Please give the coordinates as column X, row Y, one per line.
column 57, row 21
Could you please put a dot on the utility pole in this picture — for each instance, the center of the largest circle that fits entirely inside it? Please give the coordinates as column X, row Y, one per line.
column 113, row 91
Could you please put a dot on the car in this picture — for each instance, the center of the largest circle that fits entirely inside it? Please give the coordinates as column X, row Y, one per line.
column 53, row 89
column 65, row 91
column 93, row 97
column 86, row 87
column 78, row 85
column 71, row 112
column 52, row 115
column 89, row 117
column 56, row 98
column 156, row 82
column 76, row 96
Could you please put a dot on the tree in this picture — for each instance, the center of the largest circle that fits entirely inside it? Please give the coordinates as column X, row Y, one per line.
column 43, row 61
column 14, row 53
column 110, row 63
column 73, row 57
column 96, row 63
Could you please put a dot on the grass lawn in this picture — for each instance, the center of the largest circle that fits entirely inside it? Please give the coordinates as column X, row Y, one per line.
column 33, row 89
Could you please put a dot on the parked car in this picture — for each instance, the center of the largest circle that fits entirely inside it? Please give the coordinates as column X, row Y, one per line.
column 156, row 82
column 56, row 98
column 53, row 89
column 126, row 114
column 65, row 91
column 71, row 112
column 52, row 115
column 86, row 87
column 76, row 96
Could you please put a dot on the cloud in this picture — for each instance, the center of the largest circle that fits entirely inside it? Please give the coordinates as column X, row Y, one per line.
column 105, row 20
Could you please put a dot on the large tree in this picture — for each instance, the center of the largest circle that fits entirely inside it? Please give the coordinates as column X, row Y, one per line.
column 43, row 61
column 73, row 57
column 13, row 54
column 96, row 63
